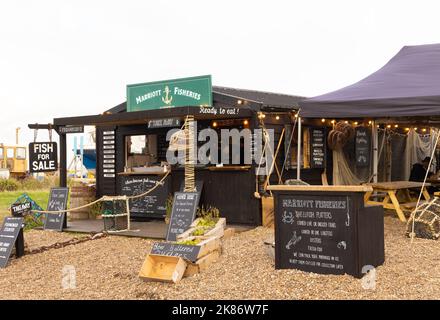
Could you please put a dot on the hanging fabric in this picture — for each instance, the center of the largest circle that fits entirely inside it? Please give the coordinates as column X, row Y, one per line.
column 418, row 147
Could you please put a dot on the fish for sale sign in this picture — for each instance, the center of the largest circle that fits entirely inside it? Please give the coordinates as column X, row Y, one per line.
column 43, row 157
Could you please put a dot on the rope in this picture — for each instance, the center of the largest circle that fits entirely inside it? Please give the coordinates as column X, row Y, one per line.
column 423, row 187
column 107, row 198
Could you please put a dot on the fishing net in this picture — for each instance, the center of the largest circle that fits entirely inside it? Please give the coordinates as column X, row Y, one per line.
column 114, row 212
column 426, row 220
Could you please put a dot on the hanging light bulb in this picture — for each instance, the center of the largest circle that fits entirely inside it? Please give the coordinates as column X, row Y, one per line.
column 388, row 126
column 345, row 121
column 246, row 122
column 424, row 129
column 355, row 123
column 406, row 129
column 277, row 117
column 396, row 126
column 322, row 120
column 370, row 122
column 214, row 124
column 333, row 121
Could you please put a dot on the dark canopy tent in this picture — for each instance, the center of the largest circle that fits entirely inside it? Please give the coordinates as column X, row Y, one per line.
column 408, row 85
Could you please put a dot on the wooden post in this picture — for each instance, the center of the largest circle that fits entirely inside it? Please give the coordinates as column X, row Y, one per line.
column 19, row 244
column 298, row 157
column 63, row 161
column 375, row 151
column 63, row 168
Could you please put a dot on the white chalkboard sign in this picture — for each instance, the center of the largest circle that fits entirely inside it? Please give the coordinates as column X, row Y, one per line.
column 183, row 213
column 57, row 201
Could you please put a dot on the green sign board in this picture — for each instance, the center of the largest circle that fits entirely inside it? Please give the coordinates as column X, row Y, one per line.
column 195, row 91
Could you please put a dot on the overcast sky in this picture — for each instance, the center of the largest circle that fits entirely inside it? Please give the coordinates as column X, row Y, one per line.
column 71, row 58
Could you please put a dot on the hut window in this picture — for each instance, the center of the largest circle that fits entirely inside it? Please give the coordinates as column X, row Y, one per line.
column 20, row 153
column 10, row 153
column 141, row 150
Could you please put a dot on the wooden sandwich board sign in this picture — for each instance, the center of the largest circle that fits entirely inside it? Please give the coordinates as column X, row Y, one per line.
column 11, row 233
column 183, row 213
column 57, row 201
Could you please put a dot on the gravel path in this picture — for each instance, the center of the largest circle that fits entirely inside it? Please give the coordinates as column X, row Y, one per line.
column 108, row 268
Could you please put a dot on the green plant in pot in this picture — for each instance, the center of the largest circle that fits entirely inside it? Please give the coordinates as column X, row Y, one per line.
column 208, row 217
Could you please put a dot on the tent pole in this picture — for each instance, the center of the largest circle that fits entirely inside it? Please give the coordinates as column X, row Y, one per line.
column 375, row 147
column 298, row 155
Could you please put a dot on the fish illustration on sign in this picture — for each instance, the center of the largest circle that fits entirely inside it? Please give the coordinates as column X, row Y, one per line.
column 293, row 241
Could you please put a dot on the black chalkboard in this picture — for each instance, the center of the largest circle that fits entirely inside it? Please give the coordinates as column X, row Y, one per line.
column 187, row 252
column 362, row 146
column 314, row 233
column 11, row 233
column 20, row 209
column 54, row 221
column 183, row 213
column 153, row 204
column 57, row 201
column 318, row 147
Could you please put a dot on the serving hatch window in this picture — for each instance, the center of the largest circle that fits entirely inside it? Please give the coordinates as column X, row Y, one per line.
column 145, row 150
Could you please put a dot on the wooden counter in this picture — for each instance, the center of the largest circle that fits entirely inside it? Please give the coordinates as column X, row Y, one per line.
column 283, row 187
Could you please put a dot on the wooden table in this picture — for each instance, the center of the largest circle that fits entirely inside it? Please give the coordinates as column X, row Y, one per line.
column 391, row 189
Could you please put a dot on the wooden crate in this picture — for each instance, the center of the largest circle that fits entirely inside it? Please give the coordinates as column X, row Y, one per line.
column 267, row 206
column 163, row 268
column 202, row 264
column 229, row 232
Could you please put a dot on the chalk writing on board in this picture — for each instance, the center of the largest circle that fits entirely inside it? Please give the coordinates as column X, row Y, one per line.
column 312, row 232
column 153, row 203
column 188, row 252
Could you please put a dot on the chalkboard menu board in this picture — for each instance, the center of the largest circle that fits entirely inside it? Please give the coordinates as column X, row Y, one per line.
column 362, row 146
column 187, row 252
column 153, row 204
column 313, row 234
column 11, row 233
column 183, row 213
column 57, row 201
column 318, row 147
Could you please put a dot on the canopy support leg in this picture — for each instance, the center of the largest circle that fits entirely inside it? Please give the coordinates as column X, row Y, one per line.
column 298, row 156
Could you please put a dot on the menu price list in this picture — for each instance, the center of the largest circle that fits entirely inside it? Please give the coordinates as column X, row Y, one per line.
column 313, row 233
